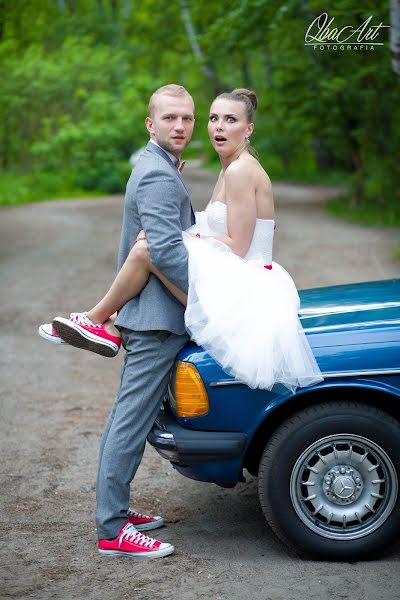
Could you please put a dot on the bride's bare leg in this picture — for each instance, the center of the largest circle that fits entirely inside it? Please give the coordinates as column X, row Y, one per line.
column 129, row 282
column 175, row 291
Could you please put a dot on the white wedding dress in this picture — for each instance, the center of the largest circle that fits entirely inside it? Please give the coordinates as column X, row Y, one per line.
column 244, row 314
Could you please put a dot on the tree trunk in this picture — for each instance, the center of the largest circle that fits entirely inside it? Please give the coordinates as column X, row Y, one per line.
column 127, row 9
column 395, row 35
column 5, row 146
column 357, row 169
column 114, row 20
column 101, row 11
column 197, row 51
column 2, row 18
column 322, row 156
column 71, row 6
column 356, row 165
column 246, row 75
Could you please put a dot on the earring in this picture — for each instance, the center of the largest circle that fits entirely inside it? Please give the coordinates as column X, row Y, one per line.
column 247, row 138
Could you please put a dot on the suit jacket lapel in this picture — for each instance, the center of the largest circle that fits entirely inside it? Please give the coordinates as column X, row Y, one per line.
column 160, row 152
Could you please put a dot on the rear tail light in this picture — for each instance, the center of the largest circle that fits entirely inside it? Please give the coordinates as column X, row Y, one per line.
column 191, row 399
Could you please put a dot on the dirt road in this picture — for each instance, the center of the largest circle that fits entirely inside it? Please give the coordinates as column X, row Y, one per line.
column 58, row 257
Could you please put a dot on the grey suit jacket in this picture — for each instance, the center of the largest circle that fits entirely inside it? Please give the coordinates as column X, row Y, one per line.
column 158, row 202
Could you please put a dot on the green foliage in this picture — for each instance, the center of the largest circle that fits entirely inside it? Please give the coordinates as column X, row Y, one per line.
column 69, row 111
column 19, row 188
column 99, row 142
column 368, row 213
column 75, row 78
column 320, row 110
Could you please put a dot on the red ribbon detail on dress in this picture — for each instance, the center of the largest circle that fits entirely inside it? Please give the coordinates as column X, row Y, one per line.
column 268, row 267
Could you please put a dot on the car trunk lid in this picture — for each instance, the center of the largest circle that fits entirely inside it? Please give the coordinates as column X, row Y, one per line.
column 350, row 306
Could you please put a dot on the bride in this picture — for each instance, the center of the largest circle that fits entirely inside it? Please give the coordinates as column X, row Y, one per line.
column 241, row 306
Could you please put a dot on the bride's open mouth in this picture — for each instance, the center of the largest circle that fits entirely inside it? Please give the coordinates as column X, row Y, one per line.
column 219, row 139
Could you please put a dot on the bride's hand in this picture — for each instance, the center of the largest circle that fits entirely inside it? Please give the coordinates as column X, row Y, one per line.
column 141, row 235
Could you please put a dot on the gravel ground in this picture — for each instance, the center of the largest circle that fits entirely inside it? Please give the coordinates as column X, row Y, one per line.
column 58, row 257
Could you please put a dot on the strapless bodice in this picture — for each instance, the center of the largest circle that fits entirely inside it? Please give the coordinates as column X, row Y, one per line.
column 263, row 237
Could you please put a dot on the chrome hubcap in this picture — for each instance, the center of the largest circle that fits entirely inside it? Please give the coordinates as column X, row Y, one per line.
column 343, row 486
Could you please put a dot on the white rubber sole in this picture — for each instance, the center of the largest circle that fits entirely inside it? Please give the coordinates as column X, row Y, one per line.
column 50, row 338
column 78, row 337
column 150, row 526
column 152, row 554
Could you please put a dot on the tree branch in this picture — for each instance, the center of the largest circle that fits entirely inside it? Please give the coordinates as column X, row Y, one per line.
column 395, row 35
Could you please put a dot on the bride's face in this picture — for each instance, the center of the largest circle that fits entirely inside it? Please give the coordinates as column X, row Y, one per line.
column 228, row 126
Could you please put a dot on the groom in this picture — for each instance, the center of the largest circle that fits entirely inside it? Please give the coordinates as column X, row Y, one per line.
column 151, row 324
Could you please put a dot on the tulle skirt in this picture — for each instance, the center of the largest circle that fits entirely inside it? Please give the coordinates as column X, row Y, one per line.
column 246, row 317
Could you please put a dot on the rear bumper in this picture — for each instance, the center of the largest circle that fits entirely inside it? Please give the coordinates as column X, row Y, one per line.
column 189, row 446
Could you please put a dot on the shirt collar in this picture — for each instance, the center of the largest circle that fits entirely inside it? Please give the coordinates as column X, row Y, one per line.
column 169, row 154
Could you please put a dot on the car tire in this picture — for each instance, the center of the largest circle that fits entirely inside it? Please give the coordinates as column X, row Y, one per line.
column 329, row 481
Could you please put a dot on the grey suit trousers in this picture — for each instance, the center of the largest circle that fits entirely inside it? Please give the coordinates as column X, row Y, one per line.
column 148, row 361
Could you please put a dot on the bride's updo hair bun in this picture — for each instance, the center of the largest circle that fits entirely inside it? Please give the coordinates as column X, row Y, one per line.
column 248, row 97
column 249, row 94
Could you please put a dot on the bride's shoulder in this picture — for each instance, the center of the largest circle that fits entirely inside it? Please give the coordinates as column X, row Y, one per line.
column 240, row 168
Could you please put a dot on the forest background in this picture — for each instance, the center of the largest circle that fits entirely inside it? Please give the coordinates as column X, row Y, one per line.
column 76, row 75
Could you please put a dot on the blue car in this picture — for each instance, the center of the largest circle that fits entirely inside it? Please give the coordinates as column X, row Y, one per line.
column 327, row 458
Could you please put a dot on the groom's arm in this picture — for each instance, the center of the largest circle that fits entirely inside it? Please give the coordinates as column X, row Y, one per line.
column 158, row 200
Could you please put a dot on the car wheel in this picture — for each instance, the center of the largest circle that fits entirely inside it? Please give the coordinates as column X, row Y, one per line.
column 329, row 481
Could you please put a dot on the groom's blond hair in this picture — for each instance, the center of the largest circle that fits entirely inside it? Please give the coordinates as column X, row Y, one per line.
column 168, row 90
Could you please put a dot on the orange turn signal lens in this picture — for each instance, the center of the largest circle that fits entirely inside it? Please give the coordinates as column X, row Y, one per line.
column 190, row 395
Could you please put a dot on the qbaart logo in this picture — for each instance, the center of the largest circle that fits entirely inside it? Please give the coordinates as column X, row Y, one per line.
column 322, row 35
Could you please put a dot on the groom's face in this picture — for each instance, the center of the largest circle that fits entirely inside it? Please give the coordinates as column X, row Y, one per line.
column 171, row 122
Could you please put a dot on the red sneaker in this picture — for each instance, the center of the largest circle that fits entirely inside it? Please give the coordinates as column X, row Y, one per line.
column 79, row 331
column 144, row 522
column 131, row 542
column 48, row 332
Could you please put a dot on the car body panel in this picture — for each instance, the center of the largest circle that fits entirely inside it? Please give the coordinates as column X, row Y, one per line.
column 354, row 332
